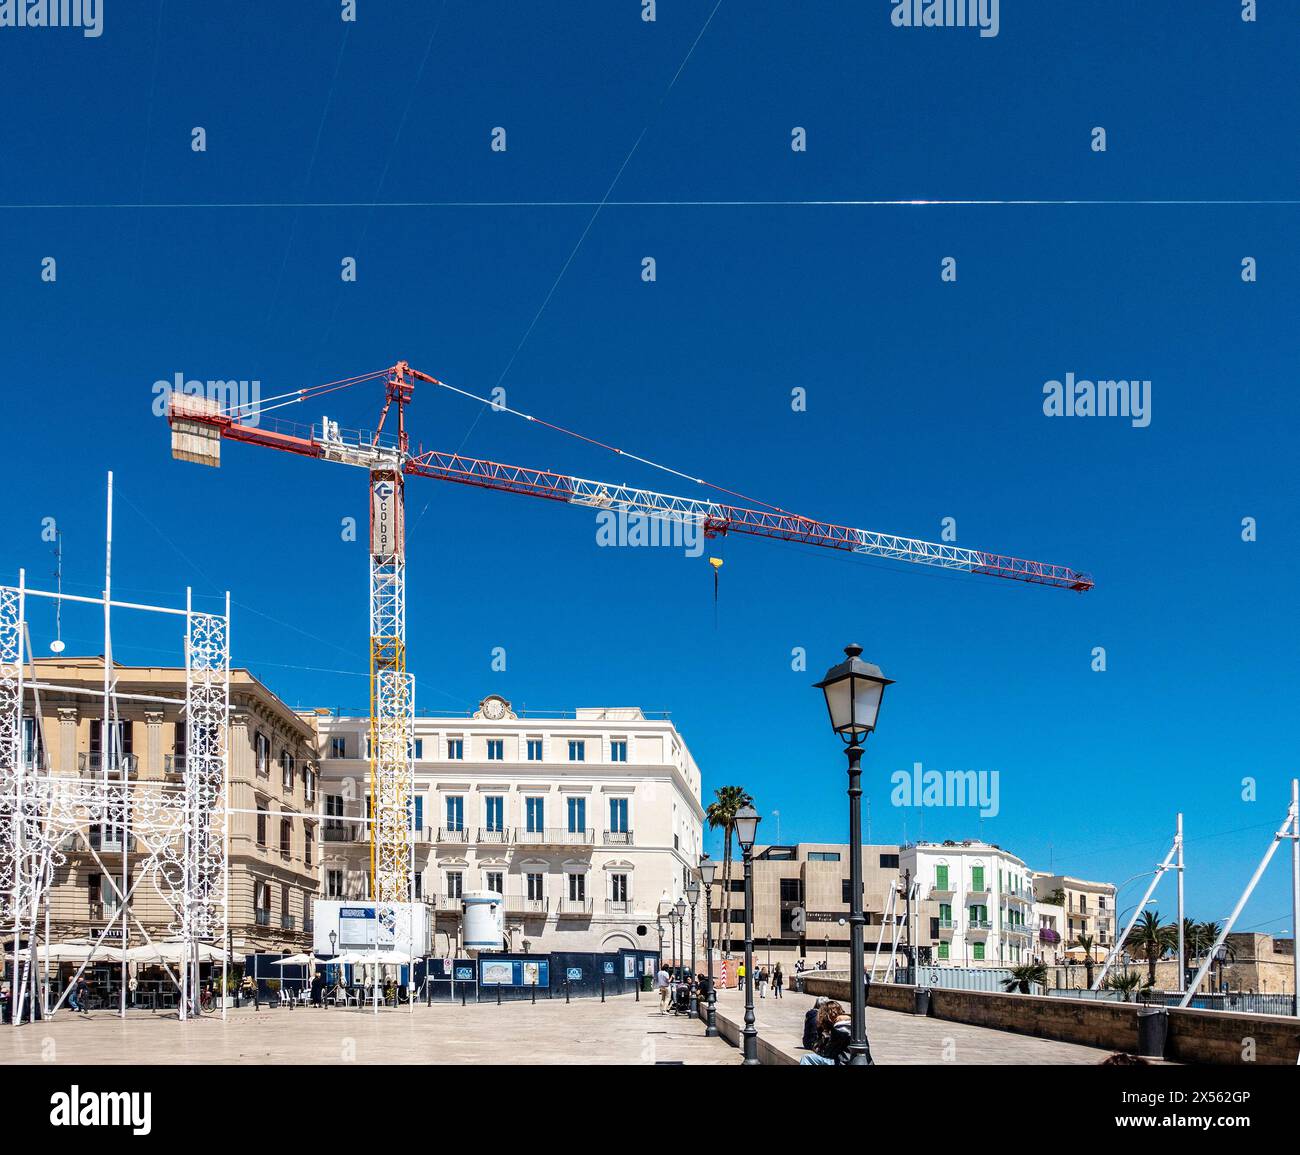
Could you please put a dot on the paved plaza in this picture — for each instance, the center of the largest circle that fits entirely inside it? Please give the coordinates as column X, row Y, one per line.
column 897, row 1038
column 621, row 1031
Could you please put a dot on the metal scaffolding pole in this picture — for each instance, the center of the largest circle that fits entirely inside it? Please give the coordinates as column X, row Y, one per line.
column 1118, row 945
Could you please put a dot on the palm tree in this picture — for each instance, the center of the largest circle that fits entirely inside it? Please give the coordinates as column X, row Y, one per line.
column 1125, row 983
column 1023, row 976
column 721, row 813
column 1084, row 943
column 1150, row 940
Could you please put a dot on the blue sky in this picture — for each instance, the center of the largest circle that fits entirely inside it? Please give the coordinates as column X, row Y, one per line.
column 924, row 399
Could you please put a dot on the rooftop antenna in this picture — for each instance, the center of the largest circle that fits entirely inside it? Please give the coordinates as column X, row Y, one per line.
column 56, row 646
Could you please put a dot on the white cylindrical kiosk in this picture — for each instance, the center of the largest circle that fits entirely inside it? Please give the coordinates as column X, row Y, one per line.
column 484, row 919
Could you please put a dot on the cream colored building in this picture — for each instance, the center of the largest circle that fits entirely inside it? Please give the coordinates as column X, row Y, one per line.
column 584, row 823
column 274, row 858
column 1089, row 908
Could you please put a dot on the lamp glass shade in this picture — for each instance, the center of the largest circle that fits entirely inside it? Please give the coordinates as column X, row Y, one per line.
column 681, row 908
column 707, row 871
column 853, row 691
column 692, row 888
column 747, row 820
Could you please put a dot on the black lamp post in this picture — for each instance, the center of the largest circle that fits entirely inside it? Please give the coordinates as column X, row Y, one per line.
column 707, row 871
column 674, row 920
column 853, row 692
column 746, row 821
column 681, row 937
column 693, row 895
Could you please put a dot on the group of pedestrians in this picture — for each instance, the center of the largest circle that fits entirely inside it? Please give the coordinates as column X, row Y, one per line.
column 775, row 977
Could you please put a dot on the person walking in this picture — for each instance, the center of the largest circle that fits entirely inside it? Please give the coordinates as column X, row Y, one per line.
column 248, row 988
column 762, row 982
column 664, row 987
column 778, row 981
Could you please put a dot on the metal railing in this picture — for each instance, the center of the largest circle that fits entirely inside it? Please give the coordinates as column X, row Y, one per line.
column 94, row 763
column 109, row 842
column 453, row 834
column 618, row 838
column 174, row 764
column 518, row 904
column 497, row 836
column 574, row 907
column 1242, row 1002
column 618, row 906
column 261, row 917
column 287, row 922
column 332, row 831
column 557, row 836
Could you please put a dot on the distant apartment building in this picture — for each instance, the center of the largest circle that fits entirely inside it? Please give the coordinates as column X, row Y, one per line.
column 273, row 850
column 976, row 904
column 1089, row 907
column 585, row 824
column 801, row 902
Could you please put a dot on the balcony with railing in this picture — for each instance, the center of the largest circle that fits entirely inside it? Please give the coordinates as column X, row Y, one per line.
column 261, row 917
column 103, row 911
column 557, row 836
column 618, row 838
column 96, row 763
column 174, row 765
column 947, row 928
column 941, row 890
column 493, row 836
column 109, row 841
column 446, row 903
column 520, row 904
column 335, row 830
column 979, row 927
column 618, row 906
column 1016, row 930
column 287, row 922
column 453, row 834
column 575, row 908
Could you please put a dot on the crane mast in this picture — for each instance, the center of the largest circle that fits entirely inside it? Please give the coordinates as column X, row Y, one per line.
column 199, row 425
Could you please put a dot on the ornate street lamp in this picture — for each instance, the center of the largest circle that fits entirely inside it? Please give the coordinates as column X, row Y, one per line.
column 853, row 691
column 746, row 823
column 707, row 872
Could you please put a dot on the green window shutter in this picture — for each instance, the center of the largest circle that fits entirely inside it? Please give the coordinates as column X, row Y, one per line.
column 943, row 950
column 978, row 952
column 945, row 912
column 977, row 878
column 941, row 878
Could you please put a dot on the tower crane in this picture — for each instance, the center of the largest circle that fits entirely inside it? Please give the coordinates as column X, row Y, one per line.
column 199, row 425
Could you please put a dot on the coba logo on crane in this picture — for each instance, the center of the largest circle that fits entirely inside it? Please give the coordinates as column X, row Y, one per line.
column 385, row 517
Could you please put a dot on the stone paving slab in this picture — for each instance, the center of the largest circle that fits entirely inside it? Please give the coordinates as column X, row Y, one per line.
column 897, row 1038
column 621, row 1031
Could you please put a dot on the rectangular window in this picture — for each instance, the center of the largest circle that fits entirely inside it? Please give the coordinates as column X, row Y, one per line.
column 535, row 815
column 941, row 878
column 308, row 837
column 261, row 826
column 534, row 749
column 309, row 784
column 577, row 887
column 618, row 750
column 977, row 951
column 618, row 815
column 889, row 862
column 494, row 806
column 419, row 885
column 536, row 884
column 846, row 891
column 286, row 769
column 455, row 884
column 977, row 878
column 496, row 748
column 577, row 750
column 334, row 883
column 455, row 749
column 823, row 856
column 944, row 948
column 417, row 815
column 577, row 811
column 494, row 880
column 455, row 812
column 338, row 747
column 618, row 887
column 417, row 751
column 791, row 889
column 286, row 837
column 262, row 752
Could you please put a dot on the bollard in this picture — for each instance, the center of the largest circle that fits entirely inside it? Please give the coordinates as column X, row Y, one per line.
column 498, row 996
column 566, row 991
column 602, row 989
column 637, row 990
column 534, row 996
column 462, row 994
